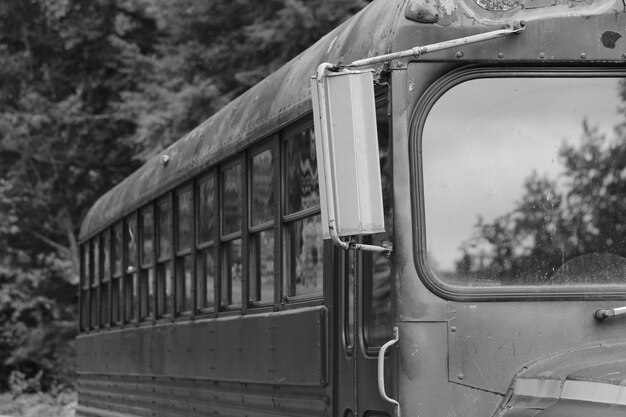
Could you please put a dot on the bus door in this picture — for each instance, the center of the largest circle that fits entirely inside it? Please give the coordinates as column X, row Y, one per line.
column 364, row 303
column 364, row 325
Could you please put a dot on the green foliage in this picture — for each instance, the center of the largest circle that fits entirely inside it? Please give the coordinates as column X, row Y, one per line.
column 88, row 90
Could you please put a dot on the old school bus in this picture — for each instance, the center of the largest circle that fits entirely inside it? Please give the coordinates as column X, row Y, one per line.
column 423, row 214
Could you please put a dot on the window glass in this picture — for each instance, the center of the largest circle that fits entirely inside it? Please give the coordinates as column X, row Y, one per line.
column 117, row 249
column 302, row 191
column 305, row 262
column 117, row 300
column 232, row 265
column 183, row 284
column 231, row 204
column 206, row 209
column 262, row 266
column 147, row 229
column 106, row 255
column 131, row 243
column 147, row 293
column 164, row 289
column 104, row 303
column 262, row 188
column 184, row 210
column 164, row 219
column 527, row 184
column 86, row 264
column 206, row 279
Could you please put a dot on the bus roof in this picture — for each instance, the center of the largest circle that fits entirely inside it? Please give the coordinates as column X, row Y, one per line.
column 557, row 30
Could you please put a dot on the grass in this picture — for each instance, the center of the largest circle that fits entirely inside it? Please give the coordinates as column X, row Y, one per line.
column 38, row 405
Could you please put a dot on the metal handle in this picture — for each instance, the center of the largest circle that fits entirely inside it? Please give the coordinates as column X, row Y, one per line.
column 601, row 313
column 381, row 371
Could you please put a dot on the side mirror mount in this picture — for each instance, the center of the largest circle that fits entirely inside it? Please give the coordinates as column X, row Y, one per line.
column 346, row 142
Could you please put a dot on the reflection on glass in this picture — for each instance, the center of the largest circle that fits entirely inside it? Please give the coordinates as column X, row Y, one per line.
column 104, row 303
column 95, row 273
column 183, row 284
column 86, row 260
column 262, row 266
column 147, row 248
column 164, row 223
column 164, row 289
column 147, row 293
column 95, row 305
column 106, row 254
column 305, row 262
column 116, row 297
column 527, row 185
column 184, row 219
column 262, row 189
column 231, row 273
column 231, row 204
column 117, row 249
column 131, row 297
column 206, row 209
column 131, row 243
column 301, row 171
column 206, row 279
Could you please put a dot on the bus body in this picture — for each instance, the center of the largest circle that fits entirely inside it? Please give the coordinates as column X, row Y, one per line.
column 207, row 287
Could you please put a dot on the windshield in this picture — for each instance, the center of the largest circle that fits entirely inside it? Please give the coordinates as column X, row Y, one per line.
column 524, row 182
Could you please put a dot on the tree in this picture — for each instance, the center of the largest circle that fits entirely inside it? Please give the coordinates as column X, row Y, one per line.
column 553, row 225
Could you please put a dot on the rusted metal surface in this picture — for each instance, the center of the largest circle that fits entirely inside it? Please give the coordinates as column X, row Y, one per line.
column 132, row 395
column 286, row 348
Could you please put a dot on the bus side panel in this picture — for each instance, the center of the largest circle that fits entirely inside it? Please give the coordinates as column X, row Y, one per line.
column 265, row 361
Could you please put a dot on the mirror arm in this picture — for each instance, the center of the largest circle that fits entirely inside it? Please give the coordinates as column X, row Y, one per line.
column 330, row 202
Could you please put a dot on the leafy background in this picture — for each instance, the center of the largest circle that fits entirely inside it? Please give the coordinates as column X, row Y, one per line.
column 88, row 92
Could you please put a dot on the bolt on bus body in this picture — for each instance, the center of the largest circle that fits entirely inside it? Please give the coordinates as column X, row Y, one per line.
column 488, row 206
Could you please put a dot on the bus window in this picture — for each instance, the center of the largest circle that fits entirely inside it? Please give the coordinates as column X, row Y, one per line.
column 303, row 241
column 183, row 266
column 131, row 296
column 146, row 275
column 95, row 282
column 525, row 186
column 206, row 235
column 262, row 212
column 117, row 292
column 105, row 284
column 232, row 262
column 85, row 283
column 164, row 256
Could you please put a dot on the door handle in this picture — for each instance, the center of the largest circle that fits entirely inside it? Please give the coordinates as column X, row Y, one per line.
column 381, row 371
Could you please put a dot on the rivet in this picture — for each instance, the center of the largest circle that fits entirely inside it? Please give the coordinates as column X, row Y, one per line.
column 542, row 55
column 398, row 64
column 461, row 376
column 165, row 159
column 583, row 55
column 453, row 329
column 459, row 54
column 624, row 55
column 500, row 55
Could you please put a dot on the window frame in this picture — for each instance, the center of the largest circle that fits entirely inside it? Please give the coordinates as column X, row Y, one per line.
column 210, row 246
column 226, row 239
column 490, row 293
column 287, row 290
column 272, row 144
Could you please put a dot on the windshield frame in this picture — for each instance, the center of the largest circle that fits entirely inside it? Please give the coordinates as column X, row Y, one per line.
column 417, row 123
